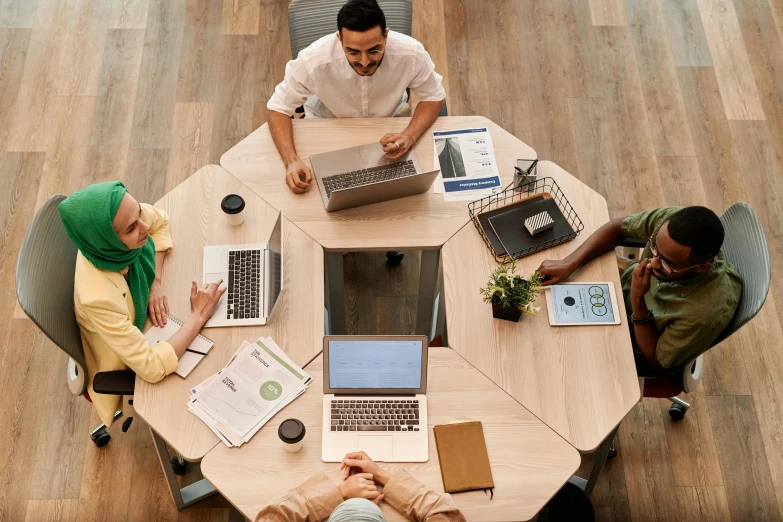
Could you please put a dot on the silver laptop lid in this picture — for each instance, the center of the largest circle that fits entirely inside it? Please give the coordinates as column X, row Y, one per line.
column 274, row 274
column 375, row 364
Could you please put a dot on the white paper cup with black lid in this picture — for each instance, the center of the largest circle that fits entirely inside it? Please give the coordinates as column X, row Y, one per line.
column 233, row 205
column 291, row 432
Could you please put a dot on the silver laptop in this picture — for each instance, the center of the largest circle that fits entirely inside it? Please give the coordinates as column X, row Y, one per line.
column 253, row 275
column 374, row 397
column 362, row 175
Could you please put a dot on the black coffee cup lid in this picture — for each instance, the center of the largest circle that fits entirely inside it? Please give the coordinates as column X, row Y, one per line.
column 232, row 204
column 291, row 431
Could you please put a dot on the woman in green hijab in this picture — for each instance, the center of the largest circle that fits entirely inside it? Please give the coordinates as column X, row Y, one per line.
column 119, row 270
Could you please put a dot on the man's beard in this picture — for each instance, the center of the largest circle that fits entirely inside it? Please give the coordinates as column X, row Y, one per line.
column 370, row 66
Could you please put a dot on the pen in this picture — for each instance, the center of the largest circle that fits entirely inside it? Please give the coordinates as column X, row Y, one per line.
column 194, row 351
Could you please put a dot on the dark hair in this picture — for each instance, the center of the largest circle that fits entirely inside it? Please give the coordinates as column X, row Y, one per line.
column 361, row 16
column 698, row 228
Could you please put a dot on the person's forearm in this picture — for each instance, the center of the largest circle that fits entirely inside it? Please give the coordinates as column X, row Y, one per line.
column 159, row 256
column 426, row 113
column 646, row 335
column 185, row 335
column 604, row 240
column 282, row 131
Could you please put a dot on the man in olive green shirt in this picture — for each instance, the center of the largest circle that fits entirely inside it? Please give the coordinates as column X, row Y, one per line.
column 681, row 294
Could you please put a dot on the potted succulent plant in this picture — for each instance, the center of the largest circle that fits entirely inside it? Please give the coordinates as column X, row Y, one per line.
column 510, row 294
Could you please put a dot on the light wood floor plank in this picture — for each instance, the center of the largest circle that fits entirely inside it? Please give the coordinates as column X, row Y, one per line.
column 191, row 133
column 128, row 14
column 467, row 66
column 643, row 443
column 513, row 116
column 66, row 156
column 608, row 12
column 157, row 86
column 703, row 504
column 682, row 182
column 429, row 27
column 749, row 488
column 732, row 67
column 724, row 373
column 35, row 102
column 240, row 17
column 236, row 97
column 13, row 53
column 658, row 75
column 273, row 52
column 636, row 158
column 113, row 116
column 19, row 14
column 52, row 510
column 692, row 450
column 596, row 153
column 722, row 180
column 145, row 173
column 503, row 52
column 62, row 438
column 199, row 54
column 84, row 50
column 686, row 33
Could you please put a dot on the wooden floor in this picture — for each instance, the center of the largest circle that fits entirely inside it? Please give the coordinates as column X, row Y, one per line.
column 650, row 102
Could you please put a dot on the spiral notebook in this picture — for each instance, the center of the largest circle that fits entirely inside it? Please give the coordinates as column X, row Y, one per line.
column 199, row 348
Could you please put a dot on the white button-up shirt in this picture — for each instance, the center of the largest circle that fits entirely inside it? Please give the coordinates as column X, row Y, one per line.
column 324, row 82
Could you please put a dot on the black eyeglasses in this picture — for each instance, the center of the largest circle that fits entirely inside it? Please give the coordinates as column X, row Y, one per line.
column 665, row 264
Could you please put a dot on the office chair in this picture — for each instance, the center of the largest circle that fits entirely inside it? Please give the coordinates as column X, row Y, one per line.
column 309, row 20
column 44, row 286
column 745, row 246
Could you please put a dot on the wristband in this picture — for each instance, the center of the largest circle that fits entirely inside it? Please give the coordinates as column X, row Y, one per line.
column 643, row 320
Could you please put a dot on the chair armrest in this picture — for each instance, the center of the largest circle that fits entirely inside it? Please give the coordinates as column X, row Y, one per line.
column 633, row 243
column 120, row 382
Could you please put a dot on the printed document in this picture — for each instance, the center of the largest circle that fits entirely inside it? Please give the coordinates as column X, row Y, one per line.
column 466, row 159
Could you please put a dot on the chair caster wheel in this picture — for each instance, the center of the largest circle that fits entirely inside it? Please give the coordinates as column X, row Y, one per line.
column 179, row 465
column 612, row 451
column 101, row 438
column 677, row 412
column 394, row 257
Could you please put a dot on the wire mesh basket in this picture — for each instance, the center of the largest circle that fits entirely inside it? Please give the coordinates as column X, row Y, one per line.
column 544, row 187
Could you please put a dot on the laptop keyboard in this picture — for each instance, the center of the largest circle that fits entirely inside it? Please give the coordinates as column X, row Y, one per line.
column 244, row 283
column 358, row 178
column 375, row 415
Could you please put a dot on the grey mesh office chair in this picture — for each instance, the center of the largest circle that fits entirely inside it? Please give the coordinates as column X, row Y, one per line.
column 44, row 287
column 309, row 20
column 745, row 246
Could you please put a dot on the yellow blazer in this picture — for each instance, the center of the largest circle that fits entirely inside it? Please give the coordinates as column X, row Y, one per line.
column 105, row 313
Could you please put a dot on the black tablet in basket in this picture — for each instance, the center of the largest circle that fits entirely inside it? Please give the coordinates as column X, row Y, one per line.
column 510, row 226
column 489, row 232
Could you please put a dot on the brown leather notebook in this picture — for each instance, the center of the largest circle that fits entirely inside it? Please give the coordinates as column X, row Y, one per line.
column 462, row 452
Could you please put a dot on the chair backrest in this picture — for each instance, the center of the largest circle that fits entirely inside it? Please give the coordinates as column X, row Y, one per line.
column 745, row 246
column 44, row 279
column 309, row 20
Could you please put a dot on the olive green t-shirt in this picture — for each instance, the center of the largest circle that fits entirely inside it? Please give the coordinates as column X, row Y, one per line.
column 688, row 314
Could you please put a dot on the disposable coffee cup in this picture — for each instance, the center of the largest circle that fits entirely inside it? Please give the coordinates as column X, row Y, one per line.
column 233, row 205
column 291, row 432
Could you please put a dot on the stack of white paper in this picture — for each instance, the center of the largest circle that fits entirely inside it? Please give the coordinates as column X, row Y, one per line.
column 259, row 380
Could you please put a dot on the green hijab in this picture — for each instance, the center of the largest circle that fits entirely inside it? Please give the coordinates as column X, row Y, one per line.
column 87, row 216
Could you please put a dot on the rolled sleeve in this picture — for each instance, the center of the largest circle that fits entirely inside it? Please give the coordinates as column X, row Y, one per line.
column 151, row 363
column 682, row 340
column 411, row 498
column 427, row 84
column 312, row 501
column 645, row 224
column 158, row 222
column 293, row 91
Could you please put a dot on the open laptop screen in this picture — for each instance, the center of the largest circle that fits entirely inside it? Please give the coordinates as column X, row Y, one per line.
column 383, row 365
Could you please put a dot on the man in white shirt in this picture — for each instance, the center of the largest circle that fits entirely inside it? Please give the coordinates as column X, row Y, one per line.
column 362, row 71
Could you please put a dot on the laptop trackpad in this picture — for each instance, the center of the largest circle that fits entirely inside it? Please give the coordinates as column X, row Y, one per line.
column 378, row 447
column 373, row 155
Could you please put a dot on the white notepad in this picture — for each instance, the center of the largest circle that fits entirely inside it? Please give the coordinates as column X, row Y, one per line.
column 192, row 356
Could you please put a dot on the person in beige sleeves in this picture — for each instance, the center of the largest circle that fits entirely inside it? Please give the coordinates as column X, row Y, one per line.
column 357, row 497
